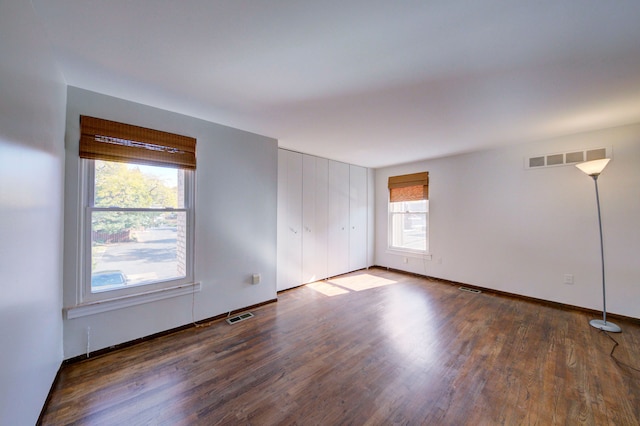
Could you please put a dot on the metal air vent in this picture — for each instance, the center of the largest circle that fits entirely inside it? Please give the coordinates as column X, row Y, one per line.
column 470, row 290
column 566, row 158
column 240, row 317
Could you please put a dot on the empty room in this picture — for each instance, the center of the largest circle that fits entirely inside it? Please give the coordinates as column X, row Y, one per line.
column 319, row 213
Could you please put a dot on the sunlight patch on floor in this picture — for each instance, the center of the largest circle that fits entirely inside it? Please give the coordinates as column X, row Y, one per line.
column 343, row 285
column 408, row 322
column 326, row 288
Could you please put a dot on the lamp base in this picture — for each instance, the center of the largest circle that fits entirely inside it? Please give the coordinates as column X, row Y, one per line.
column 605, row 325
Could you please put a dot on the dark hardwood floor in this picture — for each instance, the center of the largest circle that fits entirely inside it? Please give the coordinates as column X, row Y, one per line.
column 368, row 348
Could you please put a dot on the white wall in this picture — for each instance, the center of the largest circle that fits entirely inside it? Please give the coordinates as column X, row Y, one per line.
column 496, row 225
column 236, row 186
column 32, row 108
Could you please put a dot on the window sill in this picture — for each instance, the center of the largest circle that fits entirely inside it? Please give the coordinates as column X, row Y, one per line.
column 410, row 253
column 106, row 305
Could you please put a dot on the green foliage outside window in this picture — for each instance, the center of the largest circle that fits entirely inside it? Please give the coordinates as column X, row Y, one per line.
column 122, row 186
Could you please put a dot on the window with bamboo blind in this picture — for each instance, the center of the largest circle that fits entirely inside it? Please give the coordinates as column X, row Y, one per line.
column 409, row 212
column 138, row 211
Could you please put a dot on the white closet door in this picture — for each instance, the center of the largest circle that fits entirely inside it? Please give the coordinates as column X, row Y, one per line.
column 289, row 245
column 357, row 217
column 338, row 256
column 314, row 218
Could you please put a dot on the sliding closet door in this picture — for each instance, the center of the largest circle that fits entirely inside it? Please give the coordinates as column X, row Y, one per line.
column 323, row 214
column 315, row 175
column 357, row 217
column 289, row 245
column 338, row 218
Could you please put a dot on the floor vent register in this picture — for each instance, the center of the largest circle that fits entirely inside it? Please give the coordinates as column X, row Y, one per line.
column 240, row 317
column 470, row 290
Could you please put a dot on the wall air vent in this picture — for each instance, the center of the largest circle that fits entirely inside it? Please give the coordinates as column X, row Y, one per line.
column 566, row 158
column 240, row 317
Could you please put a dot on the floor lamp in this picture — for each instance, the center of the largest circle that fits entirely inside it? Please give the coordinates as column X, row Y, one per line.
column 593, row 169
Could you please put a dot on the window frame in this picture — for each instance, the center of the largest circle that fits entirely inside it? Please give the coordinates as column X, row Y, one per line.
column 87, row 177
column 407, row 188
column 390, row 234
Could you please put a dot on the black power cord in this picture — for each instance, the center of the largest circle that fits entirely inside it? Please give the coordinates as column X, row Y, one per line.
column 615, row 345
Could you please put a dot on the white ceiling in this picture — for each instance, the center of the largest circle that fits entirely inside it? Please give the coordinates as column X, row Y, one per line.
column 368, row 82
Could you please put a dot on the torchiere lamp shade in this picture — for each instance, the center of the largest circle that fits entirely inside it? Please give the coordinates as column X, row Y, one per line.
column 594, row 167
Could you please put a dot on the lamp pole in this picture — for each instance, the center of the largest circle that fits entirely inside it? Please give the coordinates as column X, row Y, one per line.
column 593, row 169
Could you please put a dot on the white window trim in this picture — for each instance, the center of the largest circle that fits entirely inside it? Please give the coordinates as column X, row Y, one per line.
column 88, row 303
column 105, row 305
column 418, row 254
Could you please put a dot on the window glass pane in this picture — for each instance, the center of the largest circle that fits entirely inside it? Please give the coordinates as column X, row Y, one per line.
column 409, row 231
column 137, row 186
column 131, row 248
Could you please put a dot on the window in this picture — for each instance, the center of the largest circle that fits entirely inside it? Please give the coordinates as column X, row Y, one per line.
column 409, row 212
column 138, row 210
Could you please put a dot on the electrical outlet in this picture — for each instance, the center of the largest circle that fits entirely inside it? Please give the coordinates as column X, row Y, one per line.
column 405, row 260
column 568, row 278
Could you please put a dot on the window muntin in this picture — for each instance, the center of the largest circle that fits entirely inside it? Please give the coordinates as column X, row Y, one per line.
column 138, row 226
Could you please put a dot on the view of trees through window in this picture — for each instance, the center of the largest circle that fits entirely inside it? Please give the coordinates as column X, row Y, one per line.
column 138, row 225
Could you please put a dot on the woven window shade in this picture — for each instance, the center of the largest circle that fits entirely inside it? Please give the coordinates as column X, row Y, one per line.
column 411, row 187
column 112, row 141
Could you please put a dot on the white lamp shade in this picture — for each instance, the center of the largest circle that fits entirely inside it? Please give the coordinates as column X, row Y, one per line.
column 594, row 167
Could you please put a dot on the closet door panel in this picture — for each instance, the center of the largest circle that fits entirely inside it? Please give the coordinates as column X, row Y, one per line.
column 357, row 217
column 314, row 218
column 322, row 217
column 309, row 251
column 289, row 244
column 338, row 256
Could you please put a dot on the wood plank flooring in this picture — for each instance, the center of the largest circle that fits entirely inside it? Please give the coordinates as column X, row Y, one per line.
column 368, row 348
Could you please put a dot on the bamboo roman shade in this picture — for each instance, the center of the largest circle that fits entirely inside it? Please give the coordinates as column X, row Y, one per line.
column 411, row 187
column 112, row 141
